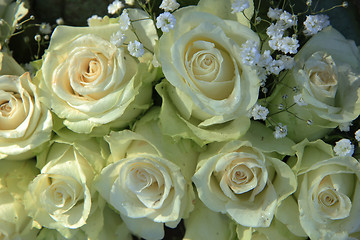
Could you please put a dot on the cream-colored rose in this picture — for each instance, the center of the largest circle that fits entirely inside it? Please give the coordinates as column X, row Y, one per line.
column 326, row 77
column 14, row 220
column 327, row 200
column 89, row 82
column 60, row 196
column 209, row 84
column 148, row 179
column 245, row 180
column 25, row 123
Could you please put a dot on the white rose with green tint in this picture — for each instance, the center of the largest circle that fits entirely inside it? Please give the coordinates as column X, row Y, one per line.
column 25, row 123
column 148, row 179
column 327, row 202
column 60, row 197
column 89, row 82
column 246, row 178
column 208, row 89
column 326, row 79
column 14, row 220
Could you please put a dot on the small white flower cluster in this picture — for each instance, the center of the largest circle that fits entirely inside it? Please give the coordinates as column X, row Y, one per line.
column 315, row 23
column 280, row 131
column 357, row 135
column 115, row 7
column 93, row 18
column 344, row 147
column 250, row 53
column 118, row 38
column 124, row 20
column 266, row 65
column 166, row 21
column 259, row 112
column 169, row 5
column 45, row 28
column 135, row 48
column 239, row 6
column 278, row 41
column 345, row 127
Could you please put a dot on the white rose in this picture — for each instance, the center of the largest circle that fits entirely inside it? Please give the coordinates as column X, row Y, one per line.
column 60, row 196
column 89, row 82
column 149, row 178
column 326, row 204
column 14, row 220
column 25, row 123
column 209, row 84
column 245, row 179
column 327, row 75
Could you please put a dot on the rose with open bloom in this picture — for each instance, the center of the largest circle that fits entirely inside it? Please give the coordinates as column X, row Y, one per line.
column 328, row 194
column 14, row 220
column 243, row 179
column 208, row 83
column 148, row 179
column 327, row 75
column 60, row 196
column 89, row 82
column 25, row 123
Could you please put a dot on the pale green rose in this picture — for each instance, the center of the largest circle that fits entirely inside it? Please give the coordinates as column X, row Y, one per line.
column 14, row 220
column 206, row 224
column 25, row 123
column 208, row 87
column 90, row 83
column 11, row 12
column 62, row 196
column 112, row 228
column 327, row 75
column 276, row 230
column 246, row 178
column 326, row 204
column 148, row 179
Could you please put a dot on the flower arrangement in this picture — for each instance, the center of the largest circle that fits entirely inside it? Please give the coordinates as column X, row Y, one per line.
column 233, row 119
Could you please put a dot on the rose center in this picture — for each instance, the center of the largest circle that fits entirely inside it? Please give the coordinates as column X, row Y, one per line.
column 328, row 198
column 5, row 109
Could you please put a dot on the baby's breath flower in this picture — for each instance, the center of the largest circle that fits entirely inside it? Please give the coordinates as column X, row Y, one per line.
column 45, row 28
column 288, row 61
column 239, row 5
column 60, row 21
column 275, row 67
column 288, row 45
column 288, row 19
column 274, row 14
column 344, row 147
column 250, row 53
column 136, row 49
column 115, row 6
column 124, row 20
column 345, row 127
column 130, row 2
column 315, row 23
column 93, row 17
column 259, row 112
column 166, row 21
column 280, row 131
column 37, row 37
column 169, row 5
column 275, row 31
column 357, row 135
column 299, row 100
column 265, row 59
column 118, row 38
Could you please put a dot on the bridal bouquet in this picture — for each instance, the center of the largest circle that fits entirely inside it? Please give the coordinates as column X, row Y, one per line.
column 231, row 119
